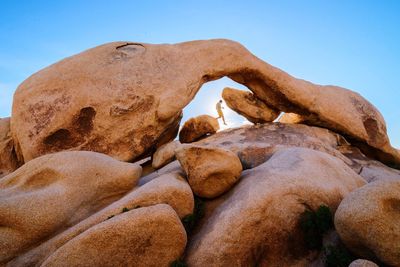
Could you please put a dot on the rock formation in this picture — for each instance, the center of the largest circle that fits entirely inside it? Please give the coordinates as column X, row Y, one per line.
column 257, row 223
column 164, row 154
column 8, row 158
column 210, row 171
column 169, row 189
column 55, row 191
column 197, row 128
column 152, row 236
column 69, row 197
column 249, row 106
column 367, row 221
column 121, row 98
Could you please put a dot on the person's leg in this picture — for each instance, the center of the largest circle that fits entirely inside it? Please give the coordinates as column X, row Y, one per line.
column 223, row 119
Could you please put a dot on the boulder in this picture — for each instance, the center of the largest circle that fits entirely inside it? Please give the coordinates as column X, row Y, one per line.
column 165, row 154
column 120, row 99
column 8, row 158
column 292, row 118
column 375, row 171
column 54, row 192
column 363, row 263
column 367, row 221
column 248, row 105
column 152, row 236
column 210, row 171
column 255, row 144
column 198, row 127
column 257, row 223
column 171, row 189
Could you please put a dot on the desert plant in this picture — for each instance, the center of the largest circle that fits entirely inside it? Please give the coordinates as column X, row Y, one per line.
column 125, row 209
column 178, row 263
column 190, row 221
column 338, row 256
column 314, row 225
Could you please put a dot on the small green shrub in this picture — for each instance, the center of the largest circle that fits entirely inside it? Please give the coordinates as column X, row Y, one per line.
column 178, row 263
column 314, row 225
column 125, row 209
column 324, row 219
column 338, row 256
column 190, row 221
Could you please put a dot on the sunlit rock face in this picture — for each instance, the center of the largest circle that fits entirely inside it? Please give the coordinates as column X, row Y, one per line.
column 53, row 192
column 367, row 221
column 257, row 222
column 197, row 128
column 232, row 198
column 249, row 106
column 124, row 99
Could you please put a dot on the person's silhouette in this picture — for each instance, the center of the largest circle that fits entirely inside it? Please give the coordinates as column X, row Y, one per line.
column 219, row 108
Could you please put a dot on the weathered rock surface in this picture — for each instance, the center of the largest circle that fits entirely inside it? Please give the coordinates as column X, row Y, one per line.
column 210, row 171
column 169, row 189
column 367, row 221
column 165, row 154
column 56, row 191
column 257, row 222
column 292, row 118
column 8, row 158
column 375, row 171
column 198, row 127
column 120, row 98
column 255, row 144
column 363, row 263
column 248, row 105
column 152, row 236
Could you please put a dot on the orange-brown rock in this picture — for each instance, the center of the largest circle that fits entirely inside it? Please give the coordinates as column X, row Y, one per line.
column 257, row 223
column 54, row 192
column 248, row 105
column 210, row 171
column 170, row 188
column 152, row 236
column 120, row 98
column 198, row 127
column 8, row 158
column 164, row 154
column 292, row 118
column 367, row 221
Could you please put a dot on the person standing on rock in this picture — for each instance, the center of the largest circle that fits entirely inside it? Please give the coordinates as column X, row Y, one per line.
column 219, row 108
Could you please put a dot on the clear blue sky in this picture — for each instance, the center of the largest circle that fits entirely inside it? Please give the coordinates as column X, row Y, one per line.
column 354, row 44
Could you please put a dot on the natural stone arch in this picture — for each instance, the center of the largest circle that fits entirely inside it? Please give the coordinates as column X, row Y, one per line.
column 149, row 85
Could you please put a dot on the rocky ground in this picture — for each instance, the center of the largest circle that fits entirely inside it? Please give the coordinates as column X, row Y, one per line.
column 91, row 173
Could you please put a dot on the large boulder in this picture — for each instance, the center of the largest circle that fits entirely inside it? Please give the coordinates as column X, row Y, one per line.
column 152, row 236
column 53, row 192
column 164, row 154
column 122, row 98
column 367, row 221
column 210, row 171
column 198, row 127
column 8, row 158
column 257, row 223
column 248, row 105
column 171, row 189
column 255, row 144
